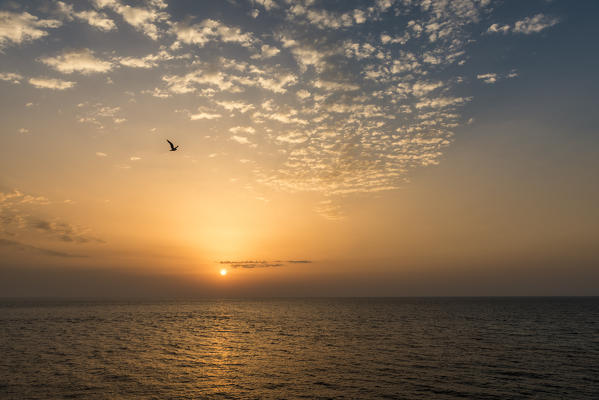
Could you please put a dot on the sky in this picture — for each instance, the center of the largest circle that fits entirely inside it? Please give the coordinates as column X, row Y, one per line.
column 326, row 148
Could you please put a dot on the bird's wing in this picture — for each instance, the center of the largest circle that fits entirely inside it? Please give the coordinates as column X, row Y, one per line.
column 171, row 143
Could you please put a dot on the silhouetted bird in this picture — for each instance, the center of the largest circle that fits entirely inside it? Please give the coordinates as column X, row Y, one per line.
column 173, row 147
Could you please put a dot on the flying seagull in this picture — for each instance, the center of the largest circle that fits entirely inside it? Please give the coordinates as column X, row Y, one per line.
column 173, row 147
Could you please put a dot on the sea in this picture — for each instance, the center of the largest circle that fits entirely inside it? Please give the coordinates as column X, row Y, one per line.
column 345, row 348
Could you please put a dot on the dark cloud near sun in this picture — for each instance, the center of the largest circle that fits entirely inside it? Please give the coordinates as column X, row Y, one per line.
column 250, row 264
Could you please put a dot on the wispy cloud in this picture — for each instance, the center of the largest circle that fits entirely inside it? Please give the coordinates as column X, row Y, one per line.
column 51, row 83
column 62, row 231
column 23, row 214
column 150, row 60
column 535, row 24
column 35, row 250
column 492, row 77
column 99, row 114
column 204, row 115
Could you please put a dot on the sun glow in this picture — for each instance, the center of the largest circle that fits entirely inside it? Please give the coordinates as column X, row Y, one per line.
column 223, row 272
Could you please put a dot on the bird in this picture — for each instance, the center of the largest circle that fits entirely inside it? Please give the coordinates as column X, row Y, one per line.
column 173, row 147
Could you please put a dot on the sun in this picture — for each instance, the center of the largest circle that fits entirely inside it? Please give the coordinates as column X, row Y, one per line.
column 223, row 272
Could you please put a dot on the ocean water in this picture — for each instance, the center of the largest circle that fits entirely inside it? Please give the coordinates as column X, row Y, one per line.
column 438, row 348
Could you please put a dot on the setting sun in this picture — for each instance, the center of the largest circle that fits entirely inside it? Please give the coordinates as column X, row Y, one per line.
column 223, row 272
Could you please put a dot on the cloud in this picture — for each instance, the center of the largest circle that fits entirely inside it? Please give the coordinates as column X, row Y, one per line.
column 267, row 4
column 278, row 83
column 242, row 129
column 23, row 214
column 527, row 26
column 491, row 78
column 235, row 106
column 204, row 115
column 324, row 19
column 240, row 139
column 251, row 264
column 335, row 86
column 16, row 197
column 50, row 83
column 365, row 111
column 99, row 114
column 188, row 82
column 487, row 78
column 149, row 61
column 11, row 77
column 35, row 250
column 339, row 99
column 330, row 210
column 307, row 55
column 497, row 28
column 157, row 92
column 441, row 102
column 143, row 19
column 229, row 79
column 100, row 154
column 210, row 30
column 293, row 137
column 266, row 51
column 82, row 61
column 21, row 28
column 288, row 117
column 303, row 94
column 93, row 18
column 61, row 230
column 534, row 24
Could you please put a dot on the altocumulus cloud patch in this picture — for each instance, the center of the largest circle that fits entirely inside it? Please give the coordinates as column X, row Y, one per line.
column 332, row 98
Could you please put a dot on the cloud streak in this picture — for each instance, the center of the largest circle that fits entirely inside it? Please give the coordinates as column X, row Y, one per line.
column 251, row 264
column 51, row 83
column 13, row 244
